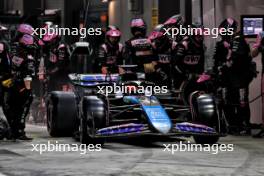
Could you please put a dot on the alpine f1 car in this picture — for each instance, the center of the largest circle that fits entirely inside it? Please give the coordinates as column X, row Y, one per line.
column 96, row 113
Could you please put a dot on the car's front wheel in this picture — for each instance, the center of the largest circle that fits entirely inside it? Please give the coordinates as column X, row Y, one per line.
column 93, row 117
column 204, row 111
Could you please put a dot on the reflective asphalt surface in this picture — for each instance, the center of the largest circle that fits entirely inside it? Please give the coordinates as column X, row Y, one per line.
column 135, row 157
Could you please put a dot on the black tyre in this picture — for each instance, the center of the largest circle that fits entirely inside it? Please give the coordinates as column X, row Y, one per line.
column 94, row 116
column 61, row 113
column 204, row 111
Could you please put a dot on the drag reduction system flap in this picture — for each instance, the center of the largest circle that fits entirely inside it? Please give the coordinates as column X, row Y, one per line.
column 93, row 79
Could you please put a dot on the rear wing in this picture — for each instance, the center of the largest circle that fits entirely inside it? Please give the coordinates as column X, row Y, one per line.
column 93, row 79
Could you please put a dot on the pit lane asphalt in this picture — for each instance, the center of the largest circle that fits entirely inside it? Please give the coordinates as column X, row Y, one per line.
column 134, row 157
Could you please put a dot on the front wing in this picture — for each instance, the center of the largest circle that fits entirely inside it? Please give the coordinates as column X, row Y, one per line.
column 133, row 130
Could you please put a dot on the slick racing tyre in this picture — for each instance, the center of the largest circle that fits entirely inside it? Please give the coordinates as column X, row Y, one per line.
column 204, row 111
column 61, row 113
column 94, row 116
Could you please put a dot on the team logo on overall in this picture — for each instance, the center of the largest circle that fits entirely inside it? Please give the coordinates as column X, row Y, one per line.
column 191, row 60
column 164, row 58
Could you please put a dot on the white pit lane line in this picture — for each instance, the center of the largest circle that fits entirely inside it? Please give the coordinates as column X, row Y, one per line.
column 2, row 174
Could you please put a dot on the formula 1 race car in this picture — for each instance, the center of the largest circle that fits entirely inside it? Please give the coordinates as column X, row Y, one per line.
column 110, row 105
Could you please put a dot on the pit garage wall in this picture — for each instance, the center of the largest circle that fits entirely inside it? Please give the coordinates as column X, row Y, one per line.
column 58, row 4
column 234, row 8
column 13, row 5
column 120, row 15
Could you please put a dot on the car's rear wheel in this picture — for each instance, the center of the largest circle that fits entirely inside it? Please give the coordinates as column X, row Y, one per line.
column 94, row 116
column 61, row 113
column 204, row 111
